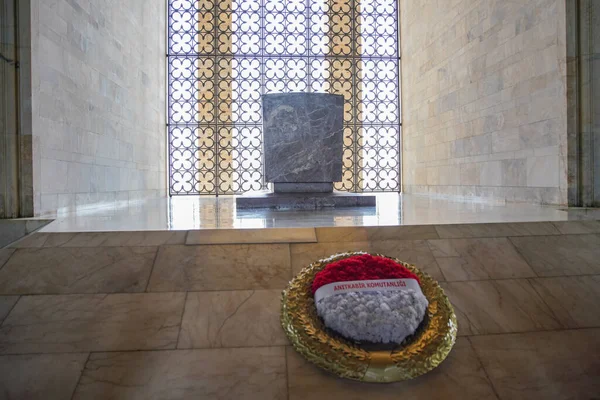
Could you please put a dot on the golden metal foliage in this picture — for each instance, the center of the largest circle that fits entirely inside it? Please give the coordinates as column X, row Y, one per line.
column 417, row 355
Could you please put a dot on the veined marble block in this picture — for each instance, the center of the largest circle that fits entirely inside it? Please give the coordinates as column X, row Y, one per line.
column 303, row 136
column 305, row 201
column 303, row 140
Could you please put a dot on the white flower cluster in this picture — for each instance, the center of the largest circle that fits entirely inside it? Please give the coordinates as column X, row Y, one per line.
column 377, row 317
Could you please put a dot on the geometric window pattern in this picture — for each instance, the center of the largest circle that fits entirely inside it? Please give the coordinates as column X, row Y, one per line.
column 223, row 55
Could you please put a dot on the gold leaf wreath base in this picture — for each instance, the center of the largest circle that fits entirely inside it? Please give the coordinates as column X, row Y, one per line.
column 417, row 355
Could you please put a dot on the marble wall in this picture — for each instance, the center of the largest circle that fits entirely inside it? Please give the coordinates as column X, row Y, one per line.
column 484, row 99
column 98, row 99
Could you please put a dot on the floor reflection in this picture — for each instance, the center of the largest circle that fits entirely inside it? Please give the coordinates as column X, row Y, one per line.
column 202, row 212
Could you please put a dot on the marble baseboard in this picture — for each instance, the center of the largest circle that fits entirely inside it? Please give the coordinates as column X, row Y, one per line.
column 583, row 212
column 491, row 194
column 305, row 201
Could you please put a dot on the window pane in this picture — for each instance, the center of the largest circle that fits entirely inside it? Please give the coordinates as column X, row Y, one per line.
column 224, row 55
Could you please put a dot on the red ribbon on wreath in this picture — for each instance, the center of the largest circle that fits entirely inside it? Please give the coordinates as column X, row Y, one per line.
column 359, row 268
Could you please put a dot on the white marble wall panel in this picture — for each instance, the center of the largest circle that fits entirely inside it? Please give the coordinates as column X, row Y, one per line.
column 484, row 99
column 98, row 102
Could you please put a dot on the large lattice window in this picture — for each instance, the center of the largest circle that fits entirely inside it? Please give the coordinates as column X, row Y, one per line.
column 223, row 55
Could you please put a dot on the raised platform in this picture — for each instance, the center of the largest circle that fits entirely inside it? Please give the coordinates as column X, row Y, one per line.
column 305, row 201
column 210, row 212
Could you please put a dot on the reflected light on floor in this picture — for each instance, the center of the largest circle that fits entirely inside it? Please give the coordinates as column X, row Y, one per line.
column 201, row 212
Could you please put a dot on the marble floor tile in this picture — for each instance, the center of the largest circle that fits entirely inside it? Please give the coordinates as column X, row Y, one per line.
column 221, row 267
column 146, row 238
column 459, row 377
column 40, row 376
column 77, row 270
column 113, row 239
column 375, row 233
column 496, row 230
column 33, row 240
column 561, row 255
column 241, row 318
column 60, row 238
column 244, row 373
column 577, row 227
column 473, row 259
column 574, row 300
column 248, row 236
column 5, row 255
column 12, row 230
column 503, row 306
column 76, row 323
column 77, row 239
column 415, row 252
column 6, row 304
column 542, row 365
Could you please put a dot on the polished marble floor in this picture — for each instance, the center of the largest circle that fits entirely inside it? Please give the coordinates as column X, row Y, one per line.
column 180, row 315
column 191, row 212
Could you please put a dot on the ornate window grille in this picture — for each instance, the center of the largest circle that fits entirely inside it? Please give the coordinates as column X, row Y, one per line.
column 223, row 55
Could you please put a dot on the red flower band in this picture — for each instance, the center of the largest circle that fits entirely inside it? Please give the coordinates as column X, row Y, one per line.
column 360, row 268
